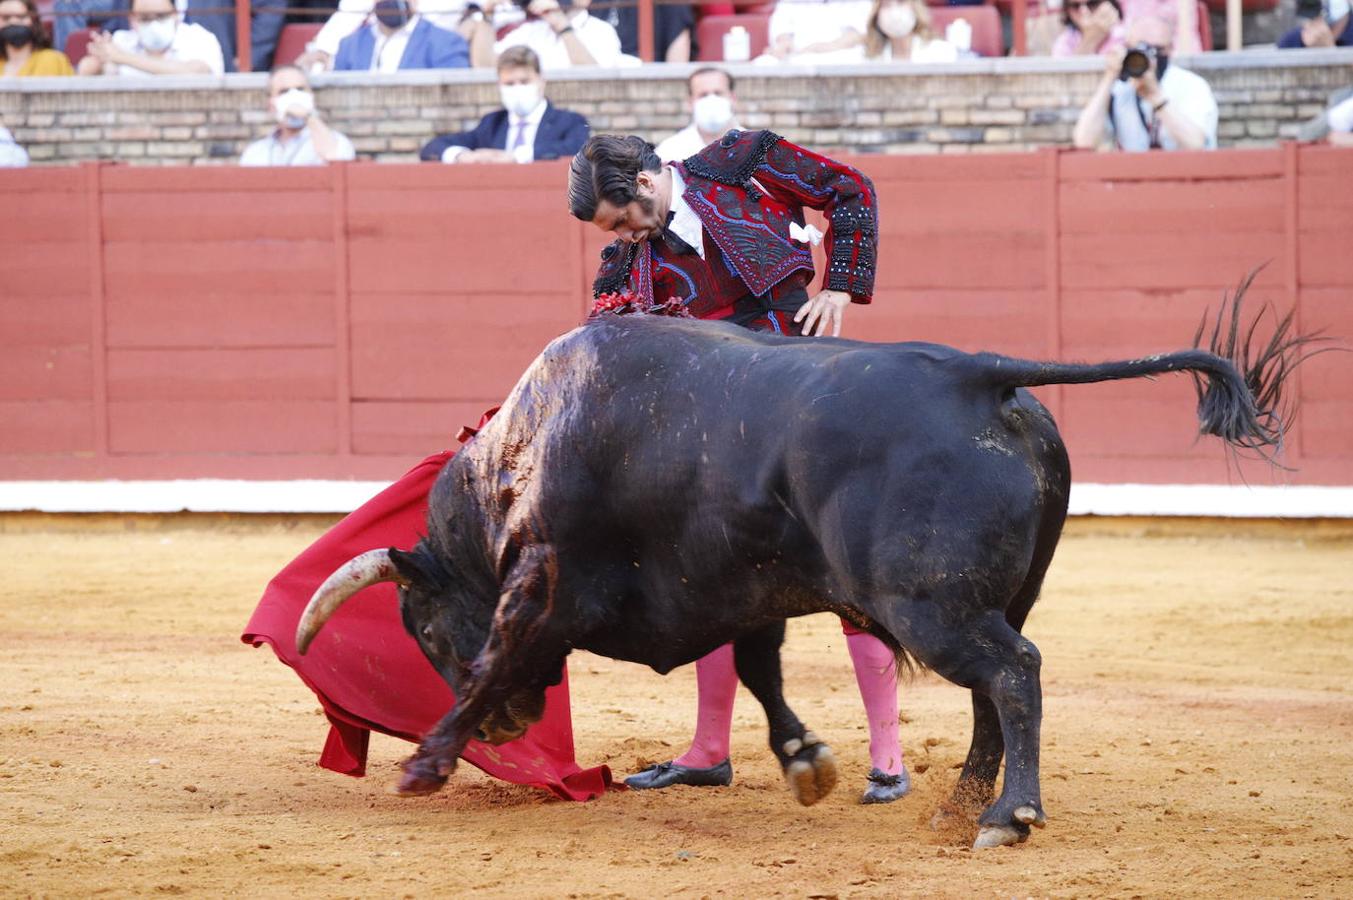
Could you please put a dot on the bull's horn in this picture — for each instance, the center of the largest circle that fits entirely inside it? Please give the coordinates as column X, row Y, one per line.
column 371, row 567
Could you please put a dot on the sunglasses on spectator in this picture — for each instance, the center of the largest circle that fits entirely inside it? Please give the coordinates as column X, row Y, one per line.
column 1086, row 4
column 147, row 18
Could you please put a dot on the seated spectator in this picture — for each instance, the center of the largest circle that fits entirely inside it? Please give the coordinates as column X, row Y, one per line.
column 900, row 30
column 75, row 15
column 12, row 156
column 817, row 31
column 451, row 15
column 709, row 96
column 560, row 35
column 301, row 137
column 673, row 30
column 158, row 43
column 23, row 42
column 1323, row 24
column 527, row 129
column 398, row 38
column 1335, row 124
column 1164, row 106
column 265, row 26
column 1092, row 26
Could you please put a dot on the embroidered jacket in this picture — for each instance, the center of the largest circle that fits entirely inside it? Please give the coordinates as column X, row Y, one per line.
column 746, row 190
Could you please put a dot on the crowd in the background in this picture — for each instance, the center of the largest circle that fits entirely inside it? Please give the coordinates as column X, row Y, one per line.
column 1143, row 101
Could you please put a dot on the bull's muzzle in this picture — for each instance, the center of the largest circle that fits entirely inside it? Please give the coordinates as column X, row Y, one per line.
column 371, row 567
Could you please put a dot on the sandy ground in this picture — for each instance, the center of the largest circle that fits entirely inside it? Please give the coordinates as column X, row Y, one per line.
column 1198, row 739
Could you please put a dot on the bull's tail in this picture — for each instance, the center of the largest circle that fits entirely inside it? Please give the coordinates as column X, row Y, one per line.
column 1239, row 377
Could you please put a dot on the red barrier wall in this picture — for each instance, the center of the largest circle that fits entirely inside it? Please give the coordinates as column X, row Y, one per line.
column 342, row 322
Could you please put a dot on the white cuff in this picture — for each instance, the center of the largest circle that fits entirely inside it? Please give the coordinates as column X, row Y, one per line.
column 450, row 153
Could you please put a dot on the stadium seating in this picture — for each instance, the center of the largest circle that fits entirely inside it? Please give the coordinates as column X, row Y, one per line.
column 292, row 41
column 985, row 22
column 710, row 30
column 77, row 45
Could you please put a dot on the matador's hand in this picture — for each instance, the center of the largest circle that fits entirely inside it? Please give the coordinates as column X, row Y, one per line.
column 825, row 310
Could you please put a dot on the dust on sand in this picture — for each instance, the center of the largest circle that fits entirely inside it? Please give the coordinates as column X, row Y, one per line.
column 1197, row 739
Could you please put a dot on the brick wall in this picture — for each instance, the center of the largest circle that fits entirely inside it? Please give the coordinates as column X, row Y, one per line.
column 976, row 106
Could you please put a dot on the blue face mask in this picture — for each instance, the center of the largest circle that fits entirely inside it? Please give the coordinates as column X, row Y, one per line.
column 392, row 13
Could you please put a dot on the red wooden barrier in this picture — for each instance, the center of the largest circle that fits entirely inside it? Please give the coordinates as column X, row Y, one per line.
column 342, row 322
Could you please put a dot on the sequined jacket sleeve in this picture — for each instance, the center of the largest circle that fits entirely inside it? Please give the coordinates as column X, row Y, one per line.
column 799, row 177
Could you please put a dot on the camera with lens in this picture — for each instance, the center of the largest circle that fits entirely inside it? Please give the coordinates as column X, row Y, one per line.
column 1138, row 61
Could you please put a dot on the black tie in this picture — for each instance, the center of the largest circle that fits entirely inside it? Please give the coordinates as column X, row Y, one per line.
column 674, row 243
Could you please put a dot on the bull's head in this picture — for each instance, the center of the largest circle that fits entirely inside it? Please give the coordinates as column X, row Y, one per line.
column 438, row 611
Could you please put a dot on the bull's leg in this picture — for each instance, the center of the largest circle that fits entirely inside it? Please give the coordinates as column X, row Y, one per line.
column 808, row 763
column 992, row 659
column 524, row 651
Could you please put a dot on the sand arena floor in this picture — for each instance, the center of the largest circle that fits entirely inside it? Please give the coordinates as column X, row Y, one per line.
column 1198, row 740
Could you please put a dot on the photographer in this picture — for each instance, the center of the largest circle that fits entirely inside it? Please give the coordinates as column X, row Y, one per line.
column 1144, row 102
column 1324, row 23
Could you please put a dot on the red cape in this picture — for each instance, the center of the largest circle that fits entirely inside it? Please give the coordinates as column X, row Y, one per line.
column 370, row 675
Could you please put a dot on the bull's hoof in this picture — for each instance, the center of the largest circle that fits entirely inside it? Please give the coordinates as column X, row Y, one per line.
column 811, row 772
column 999, row 836
column 413, row 784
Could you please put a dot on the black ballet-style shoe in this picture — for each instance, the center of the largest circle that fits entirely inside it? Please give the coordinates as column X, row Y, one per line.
column 666, row 774
column 886, row 788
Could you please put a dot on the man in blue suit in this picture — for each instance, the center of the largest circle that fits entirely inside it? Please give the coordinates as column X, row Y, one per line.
column 398, row 38
column 527, row 128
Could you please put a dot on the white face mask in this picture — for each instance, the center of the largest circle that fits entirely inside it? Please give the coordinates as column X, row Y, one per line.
column 158, row 35
column 713, row 113
column 897, row 21
column 293, row 108
column 519, row 99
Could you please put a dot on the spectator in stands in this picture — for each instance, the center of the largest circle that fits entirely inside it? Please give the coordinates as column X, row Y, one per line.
column 560, row 32
column 900, row 30
column 158, row 43
column 399, row 38
column 12, row 156
column 1323, row 24
column 452, row 15
column 266, row 20
column 1091, row 26
column 301, row 137
column 710, row 98
column 673, row 30
column 74, row 15
column 527, row 129
column 1335, row 124
column 1165, row 107
column 23, row 42
column 817, row 31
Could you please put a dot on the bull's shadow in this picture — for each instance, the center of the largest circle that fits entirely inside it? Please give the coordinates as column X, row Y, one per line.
column 654, row 488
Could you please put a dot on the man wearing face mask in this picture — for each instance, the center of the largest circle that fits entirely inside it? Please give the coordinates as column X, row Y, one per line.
column 710, row 98
column 1165, row 107
column 560, row 32
column 398, row 38
column 528, row 128
column 158, row 43
column 301, row 138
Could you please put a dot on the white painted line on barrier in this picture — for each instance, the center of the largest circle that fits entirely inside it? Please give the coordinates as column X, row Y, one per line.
column 217, row 495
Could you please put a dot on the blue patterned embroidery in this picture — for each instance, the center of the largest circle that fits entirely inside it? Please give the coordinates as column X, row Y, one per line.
column 690, row 285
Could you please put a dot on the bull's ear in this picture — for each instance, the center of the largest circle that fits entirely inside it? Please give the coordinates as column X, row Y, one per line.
column 411, row 567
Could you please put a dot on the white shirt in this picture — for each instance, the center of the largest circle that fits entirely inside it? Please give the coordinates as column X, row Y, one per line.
column 191, row 42
column 597, row 36
column 685, row 223
column 299, row 151
column 527, row 151
column 1131, row 121
column 389, row 51
column 1339, row 116
column 685, row 143
column 12, row 156
column 936, row 50
column 818, row 22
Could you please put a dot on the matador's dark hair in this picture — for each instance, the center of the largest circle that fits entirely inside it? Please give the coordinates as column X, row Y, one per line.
column 606, row 169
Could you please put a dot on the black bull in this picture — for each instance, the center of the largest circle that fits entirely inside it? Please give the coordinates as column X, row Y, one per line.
column 656, row 487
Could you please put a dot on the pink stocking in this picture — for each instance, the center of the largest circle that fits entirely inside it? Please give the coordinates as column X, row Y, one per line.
column 876, row 673
column 716, row 680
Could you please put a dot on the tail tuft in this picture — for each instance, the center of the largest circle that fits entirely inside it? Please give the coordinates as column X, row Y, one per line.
column 1250, row 412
